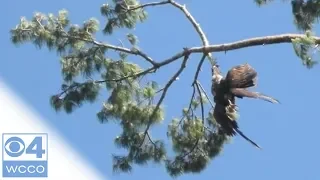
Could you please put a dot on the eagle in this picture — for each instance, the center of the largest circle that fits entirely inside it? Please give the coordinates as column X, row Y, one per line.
column 225, row 91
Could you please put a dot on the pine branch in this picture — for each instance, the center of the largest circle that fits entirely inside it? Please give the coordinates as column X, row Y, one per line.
column 105, row 45
column 116, row 48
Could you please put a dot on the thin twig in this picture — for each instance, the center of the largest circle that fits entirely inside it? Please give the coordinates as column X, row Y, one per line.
column 181, row 157
column 198, row 83
column 148, row 4
column 154, row 144
column 192, row 149
column 201, row 103
column 147, row 98
column 148, row 135
column 199, row 69
column 164, row 92
column 190, row 105
column 152, row 69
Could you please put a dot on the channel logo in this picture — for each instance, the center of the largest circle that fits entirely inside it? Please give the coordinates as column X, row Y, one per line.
column 24, row 155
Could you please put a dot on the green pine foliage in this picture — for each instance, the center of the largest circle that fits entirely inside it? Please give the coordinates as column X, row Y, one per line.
column 306, row 13
column 262, row 2
column 304, row 49
column 119, row 16
column 131, row 102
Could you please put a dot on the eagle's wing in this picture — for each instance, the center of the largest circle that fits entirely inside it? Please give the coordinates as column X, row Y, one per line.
column 240, row 93
column 241, row 76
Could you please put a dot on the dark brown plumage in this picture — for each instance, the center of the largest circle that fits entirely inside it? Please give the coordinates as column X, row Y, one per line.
column 225, row 90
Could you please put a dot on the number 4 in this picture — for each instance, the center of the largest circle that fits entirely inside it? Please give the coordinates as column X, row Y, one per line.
column 35, row 147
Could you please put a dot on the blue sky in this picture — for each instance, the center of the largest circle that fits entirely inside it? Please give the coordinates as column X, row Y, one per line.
column 287, row 132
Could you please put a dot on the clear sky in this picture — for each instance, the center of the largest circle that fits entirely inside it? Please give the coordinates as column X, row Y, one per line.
column 287, row 132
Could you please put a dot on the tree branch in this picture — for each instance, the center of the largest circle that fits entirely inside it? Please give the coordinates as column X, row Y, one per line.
column 257, row 41
column 251, row 42
column 199, row 30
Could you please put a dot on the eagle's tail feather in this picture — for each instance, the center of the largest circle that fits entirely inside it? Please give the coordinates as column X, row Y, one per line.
column 246, row 138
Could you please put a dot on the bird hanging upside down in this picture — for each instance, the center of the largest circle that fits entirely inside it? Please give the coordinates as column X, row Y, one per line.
column 225, row 90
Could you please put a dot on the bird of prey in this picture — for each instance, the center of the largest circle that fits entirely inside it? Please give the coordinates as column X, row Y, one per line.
column 225, row 91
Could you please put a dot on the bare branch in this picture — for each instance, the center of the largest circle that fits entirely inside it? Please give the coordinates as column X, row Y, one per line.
column 197, row 27
column 194, row 23
column 257, row 41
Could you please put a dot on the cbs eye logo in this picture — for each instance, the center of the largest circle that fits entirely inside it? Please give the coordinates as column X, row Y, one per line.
column 14, row 147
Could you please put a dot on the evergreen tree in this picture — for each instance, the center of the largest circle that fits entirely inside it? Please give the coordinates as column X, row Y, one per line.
column 137, row 104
